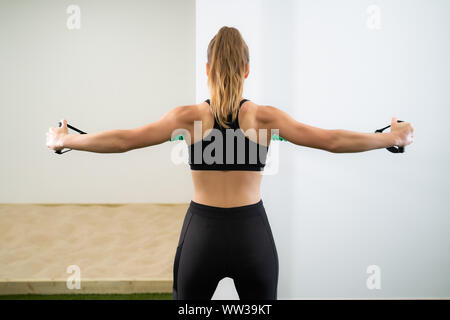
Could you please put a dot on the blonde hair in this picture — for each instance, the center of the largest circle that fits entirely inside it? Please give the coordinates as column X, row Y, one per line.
column 227, row 59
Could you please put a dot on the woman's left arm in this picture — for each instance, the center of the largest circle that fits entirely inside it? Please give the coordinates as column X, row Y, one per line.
column 119, row 141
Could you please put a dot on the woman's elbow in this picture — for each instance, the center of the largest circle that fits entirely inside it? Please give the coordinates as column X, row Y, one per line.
column 125, row 141
column 332, row 143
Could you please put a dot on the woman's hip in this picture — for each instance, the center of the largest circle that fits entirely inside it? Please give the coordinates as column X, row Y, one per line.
column 236, row 228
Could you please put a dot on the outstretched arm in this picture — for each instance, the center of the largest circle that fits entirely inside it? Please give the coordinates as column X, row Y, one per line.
column 333, row 140
column 118, row 141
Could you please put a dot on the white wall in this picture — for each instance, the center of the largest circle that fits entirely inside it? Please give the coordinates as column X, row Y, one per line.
column 333, row 215
column 128, row 64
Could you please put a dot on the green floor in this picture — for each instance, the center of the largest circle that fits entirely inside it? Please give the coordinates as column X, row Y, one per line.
column 137, row 296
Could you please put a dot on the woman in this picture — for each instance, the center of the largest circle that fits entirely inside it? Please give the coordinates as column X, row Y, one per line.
column 225, row 232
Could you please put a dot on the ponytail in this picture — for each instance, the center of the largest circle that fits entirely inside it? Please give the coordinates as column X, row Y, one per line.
column 228, row 58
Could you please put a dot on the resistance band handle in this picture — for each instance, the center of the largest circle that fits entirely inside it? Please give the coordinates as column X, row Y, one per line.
column 70, row 127
column 393, row 149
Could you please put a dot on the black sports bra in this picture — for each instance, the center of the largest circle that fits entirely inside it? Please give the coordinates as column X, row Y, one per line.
column 227, row 149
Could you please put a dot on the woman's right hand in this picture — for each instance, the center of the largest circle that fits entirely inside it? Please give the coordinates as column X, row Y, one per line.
column 403, row 132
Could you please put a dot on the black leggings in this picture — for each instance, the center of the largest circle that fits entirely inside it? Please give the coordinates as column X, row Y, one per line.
column 220, row 242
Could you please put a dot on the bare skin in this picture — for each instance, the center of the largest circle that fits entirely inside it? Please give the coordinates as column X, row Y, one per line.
column 230, row 188
column 227, row 188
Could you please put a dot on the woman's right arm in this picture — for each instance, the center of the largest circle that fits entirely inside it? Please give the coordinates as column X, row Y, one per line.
column 332, row 140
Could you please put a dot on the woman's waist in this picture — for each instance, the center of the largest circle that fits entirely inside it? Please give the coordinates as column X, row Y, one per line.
column 239, row 211
column 226, row 188
column 217, row 197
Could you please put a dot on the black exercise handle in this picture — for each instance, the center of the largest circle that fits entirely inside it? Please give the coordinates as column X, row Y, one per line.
column 393, row 149
column 70, row 127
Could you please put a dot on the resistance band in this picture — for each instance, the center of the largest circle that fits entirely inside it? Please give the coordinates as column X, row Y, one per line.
column 393, row 149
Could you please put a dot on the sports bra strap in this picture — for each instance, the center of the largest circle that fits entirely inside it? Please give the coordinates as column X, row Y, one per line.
column 240, row 105
column 236, row 123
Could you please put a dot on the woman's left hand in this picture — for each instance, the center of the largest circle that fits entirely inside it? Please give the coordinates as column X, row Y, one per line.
column 55, row 136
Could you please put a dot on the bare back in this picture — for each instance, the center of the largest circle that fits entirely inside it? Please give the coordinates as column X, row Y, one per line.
column 227, row 188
